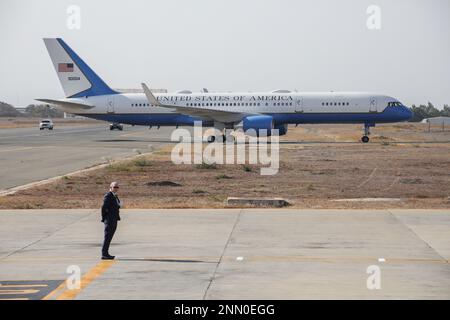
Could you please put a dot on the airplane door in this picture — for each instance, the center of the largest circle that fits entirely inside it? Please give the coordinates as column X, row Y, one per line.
column 299, row 105
column 110, row 105
column 373, row 104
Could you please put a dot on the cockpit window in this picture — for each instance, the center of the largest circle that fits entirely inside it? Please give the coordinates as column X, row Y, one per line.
column 394, row 104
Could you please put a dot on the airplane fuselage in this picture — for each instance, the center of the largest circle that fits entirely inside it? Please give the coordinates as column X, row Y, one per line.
column 285, row 108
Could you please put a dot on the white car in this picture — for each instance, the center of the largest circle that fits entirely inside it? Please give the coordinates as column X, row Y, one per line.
column 46, row 124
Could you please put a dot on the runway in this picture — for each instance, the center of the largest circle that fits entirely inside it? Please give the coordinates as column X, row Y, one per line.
column 28, row 154
column 227, row 254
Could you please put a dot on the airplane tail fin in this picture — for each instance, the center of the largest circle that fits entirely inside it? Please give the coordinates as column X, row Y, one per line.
column 76, row 77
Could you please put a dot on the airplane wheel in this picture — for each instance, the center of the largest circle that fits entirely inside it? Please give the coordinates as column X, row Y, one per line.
column 365, row 139
column 229, row 138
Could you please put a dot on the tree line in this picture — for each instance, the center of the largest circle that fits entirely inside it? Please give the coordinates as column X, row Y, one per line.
column 32, row 110
column 428, row 111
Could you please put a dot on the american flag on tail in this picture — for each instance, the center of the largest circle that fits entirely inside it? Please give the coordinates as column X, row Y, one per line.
column 65, row 67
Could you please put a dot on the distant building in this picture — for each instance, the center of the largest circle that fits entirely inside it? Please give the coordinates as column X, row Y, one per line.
column 437, row 120
column 21, row 109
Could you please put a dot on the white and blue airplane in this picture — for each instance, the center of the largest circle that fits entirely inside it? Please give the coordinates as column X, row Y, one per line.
column 88, row 95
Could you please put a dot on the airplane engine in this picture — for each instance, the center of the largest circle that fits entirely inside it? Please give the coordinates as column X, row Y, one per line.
column 282, row 129
column 258, row 123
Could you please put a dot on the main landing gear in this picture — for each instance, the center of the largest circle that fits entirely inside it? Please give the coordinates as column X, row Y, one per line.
column 223, row 137
column 365, row 137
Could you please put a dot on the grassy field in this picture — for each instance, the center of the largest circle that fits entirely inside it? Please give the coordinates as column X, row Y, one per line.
column 318, row 165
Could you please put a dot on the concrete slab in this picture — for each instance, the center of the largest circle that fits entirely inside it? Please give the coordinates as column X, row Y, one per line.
column 233, row 253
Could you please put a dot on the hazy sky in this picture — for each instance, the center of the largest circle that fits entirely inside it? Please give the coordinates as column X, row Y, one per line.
column 238, row 45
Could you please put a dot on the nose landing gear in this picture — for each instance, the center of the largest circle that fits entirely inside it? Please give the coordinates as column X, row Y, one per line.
column 365, row 137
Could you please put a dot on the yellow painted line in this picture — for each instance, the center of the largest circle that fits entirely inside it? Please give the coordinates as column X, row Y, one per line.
column 18, row 291
column 22, row 285
column 133, row 134
column 86, row 280
column 18, row 149
column 27, row 148
column 58, row 291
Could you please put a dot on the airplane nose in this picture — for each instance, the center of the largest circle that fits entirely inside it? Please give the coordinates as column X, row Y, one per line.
column 407, row 113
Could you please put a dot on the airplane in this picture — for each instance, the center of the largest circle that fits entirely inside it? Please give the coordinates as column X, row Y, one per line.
column 89, row 96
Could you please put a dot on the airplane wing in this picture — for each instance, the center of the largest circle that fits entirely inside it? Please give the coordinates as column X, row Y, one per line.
column 69, row 105
column 217, row 115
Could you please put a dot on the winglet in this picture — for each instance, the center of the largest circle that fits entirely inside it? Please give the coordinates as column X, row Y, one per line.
column 150, row 97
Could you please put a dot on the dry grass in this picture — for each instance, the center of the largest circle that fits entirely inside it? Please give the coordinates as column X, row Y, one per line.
column 311, row 175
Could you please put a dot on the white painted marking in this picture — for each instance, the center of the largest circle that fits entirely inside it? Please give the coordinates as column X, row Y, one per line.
column 240, row 258
column 381, row 260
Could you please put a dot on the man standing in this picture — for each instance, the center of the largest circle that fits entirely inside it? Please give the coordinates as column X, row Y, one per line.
column 110, row 216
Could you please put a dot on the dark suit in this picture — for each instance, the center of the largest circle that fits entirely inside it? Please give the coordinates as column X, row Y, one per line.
column 110, row 216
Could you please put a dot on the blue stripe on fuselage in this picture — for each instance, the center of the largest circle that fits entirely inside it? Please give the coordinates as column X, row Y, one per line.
column 390, row 114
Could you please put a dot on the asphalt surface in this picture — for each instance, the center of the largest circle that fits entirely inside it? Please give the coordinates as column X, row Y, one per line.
column 228, row 254
column 28, row 154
